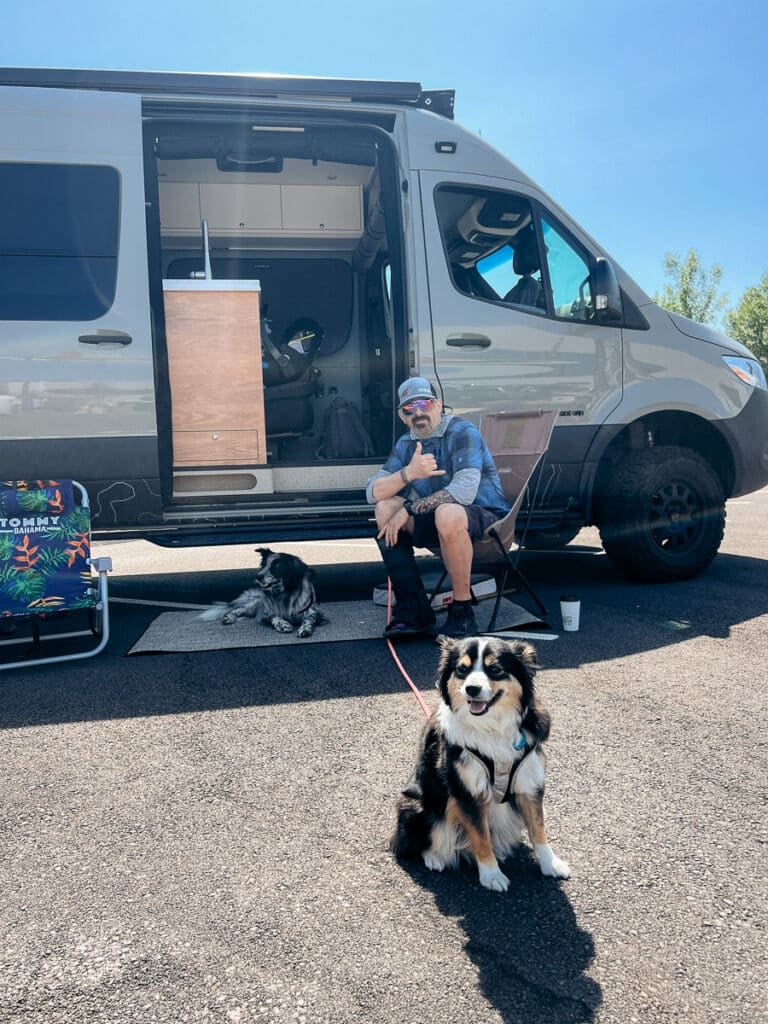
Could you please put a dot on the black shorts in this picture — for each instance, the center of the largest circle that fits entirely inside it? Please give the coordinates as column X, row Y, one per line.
column 425, row 532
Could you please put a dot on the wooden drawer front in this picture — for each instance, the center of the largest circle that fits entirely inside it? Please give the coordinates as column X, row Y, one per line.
column 218, row 448
column 207, row 404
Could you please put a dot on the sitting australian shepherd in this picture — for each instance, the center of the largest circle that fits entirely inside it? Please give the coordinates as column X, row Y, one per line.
column 282, row 596
column 480, row 769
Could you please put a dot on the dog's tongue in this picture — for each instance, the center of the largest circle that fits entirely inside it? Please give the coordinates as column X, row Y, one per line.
column 477, row 707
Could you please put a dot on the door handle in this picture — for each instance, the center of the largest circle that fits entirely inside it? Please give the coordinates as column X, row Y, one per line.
column 105, row 338
column 468, row 341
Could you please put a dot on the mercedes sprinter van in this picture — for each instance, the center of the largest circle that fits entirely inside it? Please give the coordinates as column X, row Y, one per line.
column 194, row 268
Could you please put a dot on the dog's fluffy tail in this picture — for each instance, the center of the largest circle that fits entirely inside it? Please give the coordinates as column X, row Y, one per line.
column 215, row 613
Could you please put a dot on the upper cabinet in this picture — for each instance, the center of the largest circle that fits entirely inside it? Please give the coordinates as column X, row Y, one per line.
column 262, row 210
column 240, row 208
column 311, row 208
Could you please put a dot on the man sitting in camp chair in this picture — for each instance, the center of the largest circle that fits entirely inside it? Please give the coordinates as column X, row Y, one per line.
column 439, row 487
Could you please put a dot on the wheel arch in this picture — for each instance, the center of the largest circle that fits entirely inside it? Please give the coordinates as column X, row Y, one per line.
column 653, row 430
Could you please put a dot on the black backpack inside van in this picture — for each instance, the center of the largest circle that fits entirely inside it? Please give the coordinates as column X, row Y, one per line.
column 343, row 435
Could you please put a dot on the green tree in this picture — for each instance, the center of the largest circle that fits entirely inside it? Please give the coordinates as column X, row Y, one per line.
column 748, row 322
column 694, row 290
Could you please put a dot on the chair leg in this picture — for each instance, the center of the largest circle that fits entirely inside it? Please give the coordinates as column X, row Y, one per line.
column 501, row 583
column 530, row 591
column 512, row 570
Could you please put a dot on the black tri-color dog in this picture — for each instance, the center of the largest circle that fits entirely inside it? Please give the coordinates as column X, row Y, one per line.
column 480, row 769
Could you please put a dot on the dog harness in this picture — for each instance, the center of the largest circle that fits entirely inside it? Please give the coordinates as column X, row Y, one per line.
column 501, row 772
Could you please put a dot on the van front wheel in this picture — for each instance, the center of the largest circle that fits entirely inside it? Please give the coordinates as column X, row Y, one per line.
column 662, row 515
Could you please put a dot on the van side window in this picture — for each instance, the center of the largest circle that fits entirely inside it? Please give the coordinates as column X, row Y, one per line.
column 59, row 240
column 568, row 275
column 491, row 243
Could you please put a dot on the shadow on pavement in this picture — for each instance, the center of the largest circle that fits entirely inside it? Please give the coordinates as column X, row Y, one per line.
column 618, row 618
column 530, row 953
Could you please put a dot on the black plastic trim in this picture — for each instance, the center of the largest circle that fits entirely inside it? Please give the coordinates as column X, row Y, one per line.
column 747, row 438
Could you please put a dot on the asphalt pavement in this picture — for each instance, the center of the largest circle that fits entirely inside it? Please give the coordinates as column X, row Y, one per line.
column 203, row 837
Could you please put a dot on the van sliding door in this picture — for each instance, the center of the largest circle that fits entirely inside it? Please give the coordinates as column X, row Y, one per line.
column 76, row 366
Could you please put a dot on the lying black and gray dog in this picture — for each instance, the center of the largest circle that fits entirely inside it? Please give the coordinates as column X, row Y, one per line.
column 282, row 596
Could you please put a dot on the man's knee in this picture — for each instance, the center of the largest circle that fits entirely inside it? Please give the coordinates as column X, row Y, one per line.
column 386, row 508
column 451, row 521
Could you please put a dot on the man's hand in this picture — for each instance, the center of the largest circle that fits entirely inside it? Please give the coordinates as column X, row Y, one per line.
column 390, row 530
column 422, row 466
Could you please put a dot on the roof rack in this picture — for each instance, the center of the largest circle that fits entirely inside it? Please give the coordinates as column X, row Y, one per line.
column 242, row 85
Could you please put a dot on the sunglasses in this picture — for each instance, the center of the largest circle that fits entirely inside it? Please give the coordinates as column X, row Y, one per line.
column 419, row 405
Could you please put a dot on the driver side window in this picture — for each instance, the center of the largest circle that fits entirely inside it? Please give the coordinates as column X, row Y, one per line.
column 493, row 244
column 568, row 275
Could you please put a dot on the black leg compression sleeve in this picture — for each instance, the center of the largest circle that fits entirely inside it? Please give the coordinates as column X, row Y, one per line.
column 404, row 576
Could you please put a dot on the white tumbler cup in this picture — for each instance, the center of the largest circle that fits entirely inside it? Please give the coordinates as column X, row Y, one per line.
column 570, row 609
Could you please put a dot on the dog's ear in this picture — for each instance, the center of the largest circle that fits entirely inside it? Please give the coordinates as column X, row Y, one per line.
column 446, row 665
column 445, row 643
column 527, row 654
column 264, row 552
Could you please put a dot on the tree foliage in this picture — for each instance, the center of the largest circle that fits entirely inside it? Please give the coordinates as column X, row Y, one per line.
column 694, row 290
column 748, row 322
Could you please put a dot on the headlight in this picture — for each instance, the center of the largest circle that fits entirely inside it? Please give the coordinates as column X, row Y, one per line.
column 748, row 370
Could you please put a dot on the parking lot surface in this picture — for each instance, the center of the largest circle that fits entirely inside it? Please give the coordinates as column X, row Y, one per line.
column 203, row 837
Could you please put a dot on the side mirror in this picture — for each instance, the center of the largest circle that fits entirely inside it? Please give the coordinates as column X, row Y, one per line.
column 606, row 293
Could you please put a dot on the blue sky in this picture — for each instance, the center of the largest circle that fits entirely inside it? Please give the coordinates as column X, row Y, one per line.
column 647, row 122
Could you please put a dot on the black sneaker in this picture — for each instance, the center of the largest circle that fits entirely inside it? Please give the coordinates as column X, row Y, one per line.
column 459, row 622
column 409, row 620
column 407, row 627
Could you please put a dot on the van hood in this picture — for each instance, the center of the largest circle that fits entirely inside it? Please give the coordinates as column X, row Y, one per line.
column 703, row 333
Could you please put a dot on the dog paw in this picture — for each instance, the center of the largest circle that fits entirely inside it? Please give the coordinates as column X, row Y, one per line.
column 552, row 866
column 305, row 631
column 558, row 868
column 229, row 618
column 433, row 862
column 282, row 626
column 493, row 878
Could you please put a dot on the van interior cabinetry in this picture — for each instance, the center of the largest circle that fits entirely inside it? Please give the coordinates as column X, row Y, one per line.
column 258, row 211
column 214, row 361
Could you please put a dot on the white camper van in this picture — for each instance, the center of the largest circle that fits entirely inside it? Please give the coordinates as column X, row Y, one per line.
column 194, row 268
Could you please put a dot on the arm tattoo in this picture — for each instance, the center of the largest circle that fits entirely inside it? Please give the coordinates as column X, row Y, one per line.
column 430, row 503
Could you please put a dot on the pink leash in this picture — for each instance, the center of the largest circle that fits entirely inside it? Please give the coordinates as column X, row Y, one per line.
column 424, row 706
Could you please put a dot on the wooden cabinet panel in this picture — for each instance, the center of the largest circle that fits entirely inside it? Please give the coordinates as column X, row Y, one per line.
column 214, row 364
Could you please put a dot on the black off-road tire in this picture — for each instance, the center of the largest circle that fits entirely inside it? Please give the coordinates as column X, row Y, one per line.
column 662, row 515
column 549, row 540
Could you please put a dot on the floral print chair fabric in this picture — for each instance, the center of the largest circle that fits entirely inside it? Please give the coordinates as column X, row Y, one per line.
column 45, row 555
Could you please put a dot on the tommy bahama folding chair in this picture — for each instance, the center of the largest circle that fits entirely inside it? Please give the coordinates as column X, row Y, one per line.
column 46, row 570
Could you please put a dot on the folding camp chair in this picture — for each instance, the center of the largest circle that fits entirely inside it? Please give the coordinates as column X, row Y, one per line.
column 46, row 568
column 517, row 441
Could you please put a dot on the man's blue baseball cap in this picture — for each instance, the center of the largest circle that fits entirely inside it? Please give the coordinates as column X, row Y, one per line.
column 414, row 387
